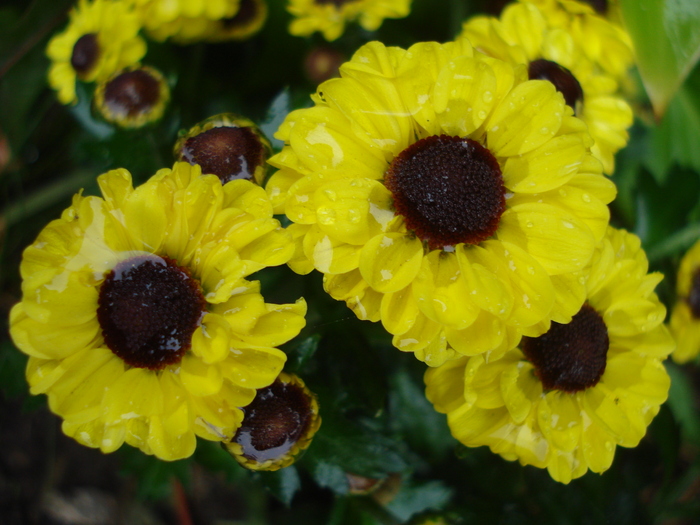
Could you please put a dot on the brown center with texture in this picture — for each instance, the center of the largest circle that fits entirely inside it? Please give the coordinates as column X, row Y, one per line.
column 570, row 357
column 278, row 416
column 86, row 51
column 148, row 309
column 132, row 93
column 564, row 81
column 694, row 295
column 448, row 189
column 247, row 11
column 227, row 152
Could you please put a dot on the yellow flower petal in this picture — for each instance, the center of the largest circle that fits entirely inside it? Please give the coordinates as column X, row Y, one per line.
column 199, row 378
column 389, row 262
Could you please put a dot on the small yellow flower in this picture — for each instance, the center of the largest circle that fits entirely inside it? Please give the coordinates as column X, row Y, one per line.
column 133, row 97
column 136, row 313
column 603, row 40
column 101, row 38
column 442, row 192
column 330, row 16
column 229, row 146
column 685, row 318
column 525, row 35
column 563, row 401
column 248, row 20
column 278, row 424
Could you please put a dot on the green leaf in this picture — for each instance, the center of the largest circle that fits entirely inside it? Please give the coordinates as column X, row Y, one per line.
column 414, row 498
column 674, row 141
column 283, row 483
column 301, row 353
column 154, row 476
column 666, row 41
column 278, row 110
column 681, row 399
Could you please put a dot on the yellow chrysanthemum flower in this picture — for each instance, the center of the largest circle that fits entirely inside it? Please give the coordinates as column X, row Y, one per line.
column 442, row 192
column 524, row 35
column 137, row 317
column 188, row 21
column 685, row 318
column 564, row 400
column 278, row 425
column 101, row 38
column 603, row 40
column 133, row 97
column 330, row 16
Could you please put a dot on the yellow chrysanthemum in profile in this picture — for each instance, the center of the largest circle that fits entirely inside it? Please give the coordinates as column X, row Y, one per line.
column 564, row 400
column 685, row 318
column 188, row 21
column 101, row 38
column 330, row 16
column 137, row 317
column 524, row 35
column 442, row 192
column 602, row 38
column 278, row 425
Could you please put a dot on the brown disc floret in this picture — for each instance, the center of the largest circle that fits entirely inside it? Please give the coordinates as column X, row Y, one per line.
column 85, row 53
column 448, row 189
column 570, row 357
column 563, row 79
column 148, row 309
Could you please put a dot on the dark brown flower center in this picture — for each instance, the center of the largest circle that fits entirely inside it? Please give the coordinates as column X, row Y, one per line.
column 278, row 416
column 148, row 309
column 570, row 357
column 227, row 152
column 448, row 189
column 86, row 51
column 247, row 12
column 694, row 295
column 565, row 82
column 132, row 93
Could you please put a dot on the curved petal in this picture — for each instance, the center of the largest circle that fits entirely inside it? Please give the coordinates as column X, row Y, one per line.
column 391, row 261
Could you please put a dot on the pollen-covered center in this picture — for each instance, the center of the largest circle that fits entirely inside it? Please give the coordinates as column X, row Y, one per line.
column 148, row 309
column 570, row 357
column 564, row 81
column 227, row 152
column 694, row 295
column 132, row 93
column 85, row 53
column 448, row 189
column 278, row 416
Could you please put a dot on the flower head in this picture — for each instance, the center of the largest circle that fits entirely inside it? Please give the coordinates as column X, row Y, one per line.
column 685, row 318
column 101, row 38
column 229, row 146
column 527, row 35
column 133, row 97
column 278, row 424
column 330, row 16
column 442, row 192
column 136, row 313
column 564, row 400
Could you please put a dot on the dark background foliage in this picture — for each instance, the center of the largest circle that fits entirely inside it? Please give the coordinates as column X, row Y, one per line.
column 377, row 424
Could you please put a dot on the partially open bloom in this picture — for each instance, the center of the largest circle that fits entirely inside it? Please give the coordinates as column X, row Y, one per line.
column 133, row 97
column 563, row 401
column 188, row 21
column 278, row 424
column 136, row 313
column 685, row 318
column 525, row 35
column 594, row 25
column 443, row 192
column 229, row 146
column 330, row 16
column 101, row 38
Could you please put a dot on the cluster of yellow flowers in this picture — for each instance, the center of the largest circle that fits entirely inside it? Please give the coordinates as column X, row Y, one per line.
column 455, row 192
